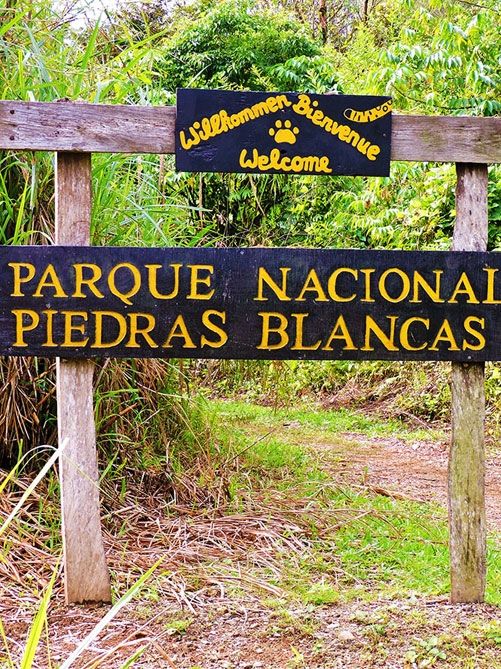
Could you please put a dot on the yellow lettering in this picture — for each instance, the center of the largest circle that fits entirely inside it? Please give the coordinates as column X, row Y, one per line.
column 212, row 327
column 70, row 327
column 445, row 334
column 353, row 138
column 235, row 120
column 340, row 331
column 464, row 287
column 373, row 151
column 344, row 132
column 363, row 145
column 406, row 284
column 180, row 330
column 418, row 281
column 22, row 326
column 331, row 285
column 243, row 161
column 275, row 161
column 98, row 329
column 368, row 295
column 152, row 281
column 135, row 330
column 478, row 335
column 90, row 281
column 368, row 115
column 18, row 279
column 491, row 274
column 245, row 115
column 136, row 282
column 195, row 280
column 371, row 327
column 404, row 333
column 50, row 279
column 281, row 292
column 323, row 165
column 215, row 122
column 263, row 162
column 302, row 106
column 188, row 143
column 259, row 109
column 312, row 284
column 280, row 330
column 298, row 344
column 272, row 103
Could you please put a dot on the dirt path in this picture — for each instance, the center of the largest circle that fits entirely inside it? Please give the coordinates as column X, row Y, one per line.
column 245, row 634
column 417, row 470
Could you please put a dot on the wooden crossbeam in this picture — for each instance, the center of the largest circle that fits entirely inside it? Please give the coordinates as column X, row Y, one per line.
column 81, row 127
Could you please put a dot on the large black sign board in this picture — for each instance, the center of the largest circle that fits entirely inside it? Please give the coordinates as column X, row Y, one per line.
column 290, row 133
column 250, row 303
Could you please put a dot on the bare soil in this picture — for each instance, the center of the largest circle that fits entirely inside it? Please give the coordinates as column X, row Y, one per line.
column 416, row 470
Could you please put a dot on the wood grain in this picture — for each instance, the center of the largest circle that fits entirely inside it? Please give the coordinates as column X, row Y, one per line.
column 455, row 139
column 82, row 127
column 85, row 569
column 466, row 482
column 259, row 313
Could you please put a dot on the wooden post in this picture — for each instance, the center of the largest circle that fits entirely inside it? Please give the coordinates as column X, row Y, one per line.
column 467, row 540
column 85, row 568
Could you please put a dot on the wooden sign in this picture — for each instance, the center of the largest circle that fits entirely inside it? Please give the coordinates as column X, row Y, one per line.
column 250, row 303
column 289, row 133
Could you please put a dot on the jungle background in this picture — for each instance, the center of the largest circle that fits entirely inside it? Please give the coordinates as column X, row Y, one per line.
column 278, row 489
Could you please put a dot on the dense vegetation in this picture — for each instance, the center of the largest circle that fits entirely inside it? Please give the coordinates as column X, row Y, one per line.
column 432, row 57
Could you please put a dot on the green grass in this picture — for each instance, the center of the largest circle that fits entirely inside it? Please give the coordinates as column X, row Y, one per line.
column 309, row 420
column 383, row 547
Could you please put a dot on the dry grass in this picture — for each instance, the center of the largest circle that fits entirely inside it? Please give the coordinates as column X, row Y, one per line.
column 146, row 522
column 129, row 395
column 27, row 392
column 205, row 553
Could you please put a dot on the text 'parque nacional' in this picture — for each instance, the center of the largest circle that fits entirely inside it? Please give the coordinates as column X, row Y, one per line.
column 250, row 303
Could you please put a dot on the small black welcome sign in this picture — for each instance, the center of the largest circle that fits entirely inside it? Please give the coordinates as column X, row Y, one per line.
column 287, row 133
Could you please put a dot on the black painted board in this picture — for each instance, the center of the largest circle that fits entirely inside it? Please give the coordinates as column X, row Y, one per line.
column 276, row 303
column 289, row 133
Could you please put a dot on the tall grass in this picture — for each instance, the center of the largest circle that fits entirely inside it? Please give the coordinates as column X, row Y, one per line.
column 43, row 57
column 140, row 201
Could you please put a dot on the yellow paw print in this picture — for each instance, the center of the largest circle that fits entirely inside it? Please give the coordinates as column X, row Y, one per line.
column 284, row 133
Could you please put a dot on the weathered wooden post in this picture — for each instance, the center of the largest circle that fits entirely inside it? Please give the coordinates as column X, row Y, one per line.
column 86, row 576
column 467, row 540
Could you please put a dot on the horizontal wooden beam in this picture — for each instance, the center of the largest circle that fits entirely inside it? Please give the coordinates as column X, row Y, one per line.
column 88, row 128
column 81, row 127
column 446, row 139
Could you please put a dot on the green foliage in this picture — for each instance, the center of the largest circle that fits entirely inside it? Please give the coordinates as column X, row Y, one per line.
column 444, row 59
column 315, row 74
column 426, row 653
column 234, row 45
